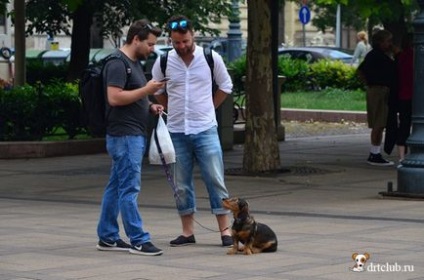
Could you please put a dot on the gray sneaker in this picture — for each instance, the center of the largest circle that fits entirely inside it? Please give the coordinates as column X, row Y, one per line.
column 146, row 249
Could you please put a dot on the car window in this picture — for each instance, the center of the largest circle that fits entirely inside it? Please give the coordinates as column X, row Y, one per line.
column 338, row 55
column 296, row 54
column 306, row 56
column 287, row 54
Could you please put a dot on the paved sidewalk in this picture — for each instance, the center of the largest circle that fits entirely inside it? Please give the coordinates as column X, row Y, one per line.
column 323, row 211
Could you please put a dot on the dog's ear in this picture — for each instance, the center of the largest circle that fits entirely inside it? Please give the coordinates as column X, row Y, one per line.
column 242, row 203
column 354, row 256
column 367, row 256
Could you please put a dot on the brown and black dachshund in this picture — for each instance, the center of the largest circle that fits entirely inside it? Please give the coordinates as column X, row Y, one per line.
column 255, row 237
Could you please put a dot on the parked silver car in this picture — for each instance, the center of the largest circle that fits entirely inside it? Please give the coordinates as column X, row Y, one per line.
column 313, row 54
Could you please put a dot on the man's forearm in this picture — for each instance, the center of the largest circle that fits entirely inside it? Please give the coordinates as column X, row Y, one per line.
column 162, row 99
column 218, row 98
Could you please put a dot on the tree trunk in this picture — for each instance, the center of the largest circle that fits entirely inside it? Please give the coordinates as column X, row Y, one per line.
column 261, row 152
column 398, row 29
column 80, row 44
column 96, row 38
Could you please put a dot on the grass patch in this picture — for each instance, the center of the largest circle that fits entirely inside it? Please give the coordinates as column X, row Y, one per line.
column 63, row 137
column 60, row 135
column 329, row 99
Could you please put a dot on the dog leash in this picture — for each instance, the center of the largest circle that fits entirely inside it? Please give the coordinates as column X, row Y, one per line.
column 171, row 182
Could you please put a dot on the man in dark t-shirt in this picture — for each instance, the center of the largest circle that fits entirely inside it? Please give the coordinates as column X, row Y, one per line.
column 128, row 107
column 378, row 72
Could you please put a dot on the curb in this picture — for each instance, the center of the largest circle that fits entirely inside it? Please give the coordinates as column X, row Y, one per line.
column 41, row 149
column 323, row 115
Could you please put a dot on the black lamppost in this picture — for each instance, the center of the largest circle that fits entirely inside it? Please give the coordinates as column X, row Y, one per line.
column 224, row 114
column 411, row 172
column 234, row 33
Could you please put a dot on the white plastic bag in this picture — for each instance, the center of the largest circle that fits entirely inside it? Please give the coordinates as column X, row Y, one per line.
column 164, row 142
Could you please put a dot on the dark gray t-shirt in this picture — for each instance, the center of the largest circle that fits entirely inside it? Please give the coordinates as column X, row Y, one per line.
column 130, row 119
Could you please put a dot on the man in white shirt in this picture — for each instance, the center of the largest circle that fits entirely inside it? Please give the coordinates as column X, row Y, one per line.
column 193, row 126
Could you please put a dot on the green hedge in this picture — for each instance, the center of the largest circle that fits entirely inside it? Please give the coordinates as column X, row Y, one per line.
column 302, row 76
column 33, row 112
column 38, row 72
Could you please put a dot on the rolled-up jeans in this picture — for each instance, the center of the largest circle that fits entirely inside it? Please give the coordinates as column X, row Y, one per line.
column 121, row 192
column 205, row 149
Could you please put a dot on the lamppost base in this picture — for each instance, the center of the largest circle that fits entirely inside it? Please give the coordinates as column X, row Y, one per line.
column 397, row 194
column 410, row 180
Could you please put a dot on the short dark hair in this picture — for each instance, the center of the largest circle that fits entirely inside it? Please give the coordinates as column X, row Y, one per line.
column 142, row 28
column 379, row 37
column 174, row 24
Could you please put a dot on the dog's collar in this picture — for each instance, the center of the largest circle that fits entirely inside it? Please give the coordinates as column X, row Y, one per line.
column 254, row 231
column 242, row 216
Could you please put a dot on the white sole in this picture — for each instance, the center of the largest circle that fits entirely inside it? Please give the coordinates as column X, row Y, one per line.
column 381, row 164
column 112, row 249
column 135, row 252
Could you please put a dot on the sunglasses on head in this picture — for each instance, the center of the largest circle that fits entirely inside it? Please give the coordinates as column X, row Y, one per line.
column 148, row 26
column 182, row 24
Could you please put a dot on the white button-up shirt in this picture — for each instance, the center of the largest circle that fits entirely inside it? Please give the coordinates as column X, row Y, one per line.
column 190, row 104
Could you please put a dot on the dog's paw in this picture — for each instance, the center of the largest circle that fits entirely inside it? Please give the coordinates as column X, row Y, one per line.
column 232, row 251
column 247, row 251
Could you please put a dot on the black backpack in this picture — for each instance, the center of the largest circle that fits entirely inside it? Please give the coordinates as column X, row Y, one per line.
column 92, row 96
column 208, row 55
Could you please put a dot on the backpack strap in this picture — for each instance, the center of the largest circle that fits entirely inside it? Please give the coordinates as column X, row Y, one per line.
column 127, row 70
column 163, row 62
column 127, row 66
column 209, row 58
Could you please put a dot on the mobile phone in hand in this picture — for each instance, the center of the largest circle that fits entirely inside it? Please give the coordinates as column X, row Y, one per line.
column 164, row 79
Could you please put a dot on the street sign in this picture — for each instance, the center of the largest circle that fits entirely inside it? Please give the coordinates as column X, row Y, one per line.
column 304, row 15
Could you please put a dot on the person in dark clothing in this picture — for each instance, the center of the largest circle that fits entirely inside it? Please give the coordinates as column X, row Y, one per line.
column 378, row 72
column 399, row 122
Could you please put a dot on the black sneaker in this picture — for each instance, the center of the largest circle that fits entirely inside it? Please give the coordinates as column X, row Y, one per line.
column 377, row 159
column 227, row 241
column 146, row 249
column 182, row 241
column 118, row 245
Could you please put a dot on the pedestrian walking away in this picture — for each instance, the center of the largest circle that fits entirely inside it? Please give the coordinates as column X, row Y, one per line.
column 193, row 127
column 127, row 114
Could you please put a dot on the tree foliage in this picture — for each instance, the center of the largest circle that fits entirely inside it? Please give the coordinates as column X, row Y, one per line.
column 53, row 16
column 394, row 15
column 76, row 17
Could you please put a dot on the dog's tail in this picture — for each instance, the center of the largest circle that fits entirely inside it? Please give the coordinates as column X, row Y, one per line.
column 272, row 247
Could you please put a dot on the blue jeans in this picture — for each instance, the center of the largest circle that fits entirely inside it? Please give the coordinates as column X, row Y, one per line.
column 121, row 192
column 205, row 149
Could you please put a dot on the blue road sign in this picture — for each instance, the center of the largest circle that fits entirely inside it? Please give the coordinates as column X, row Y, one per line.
column 304, row 15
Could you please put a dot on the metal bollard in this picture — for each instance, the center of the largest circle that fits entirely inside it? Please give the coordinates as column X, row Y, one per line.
column 390, row 187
